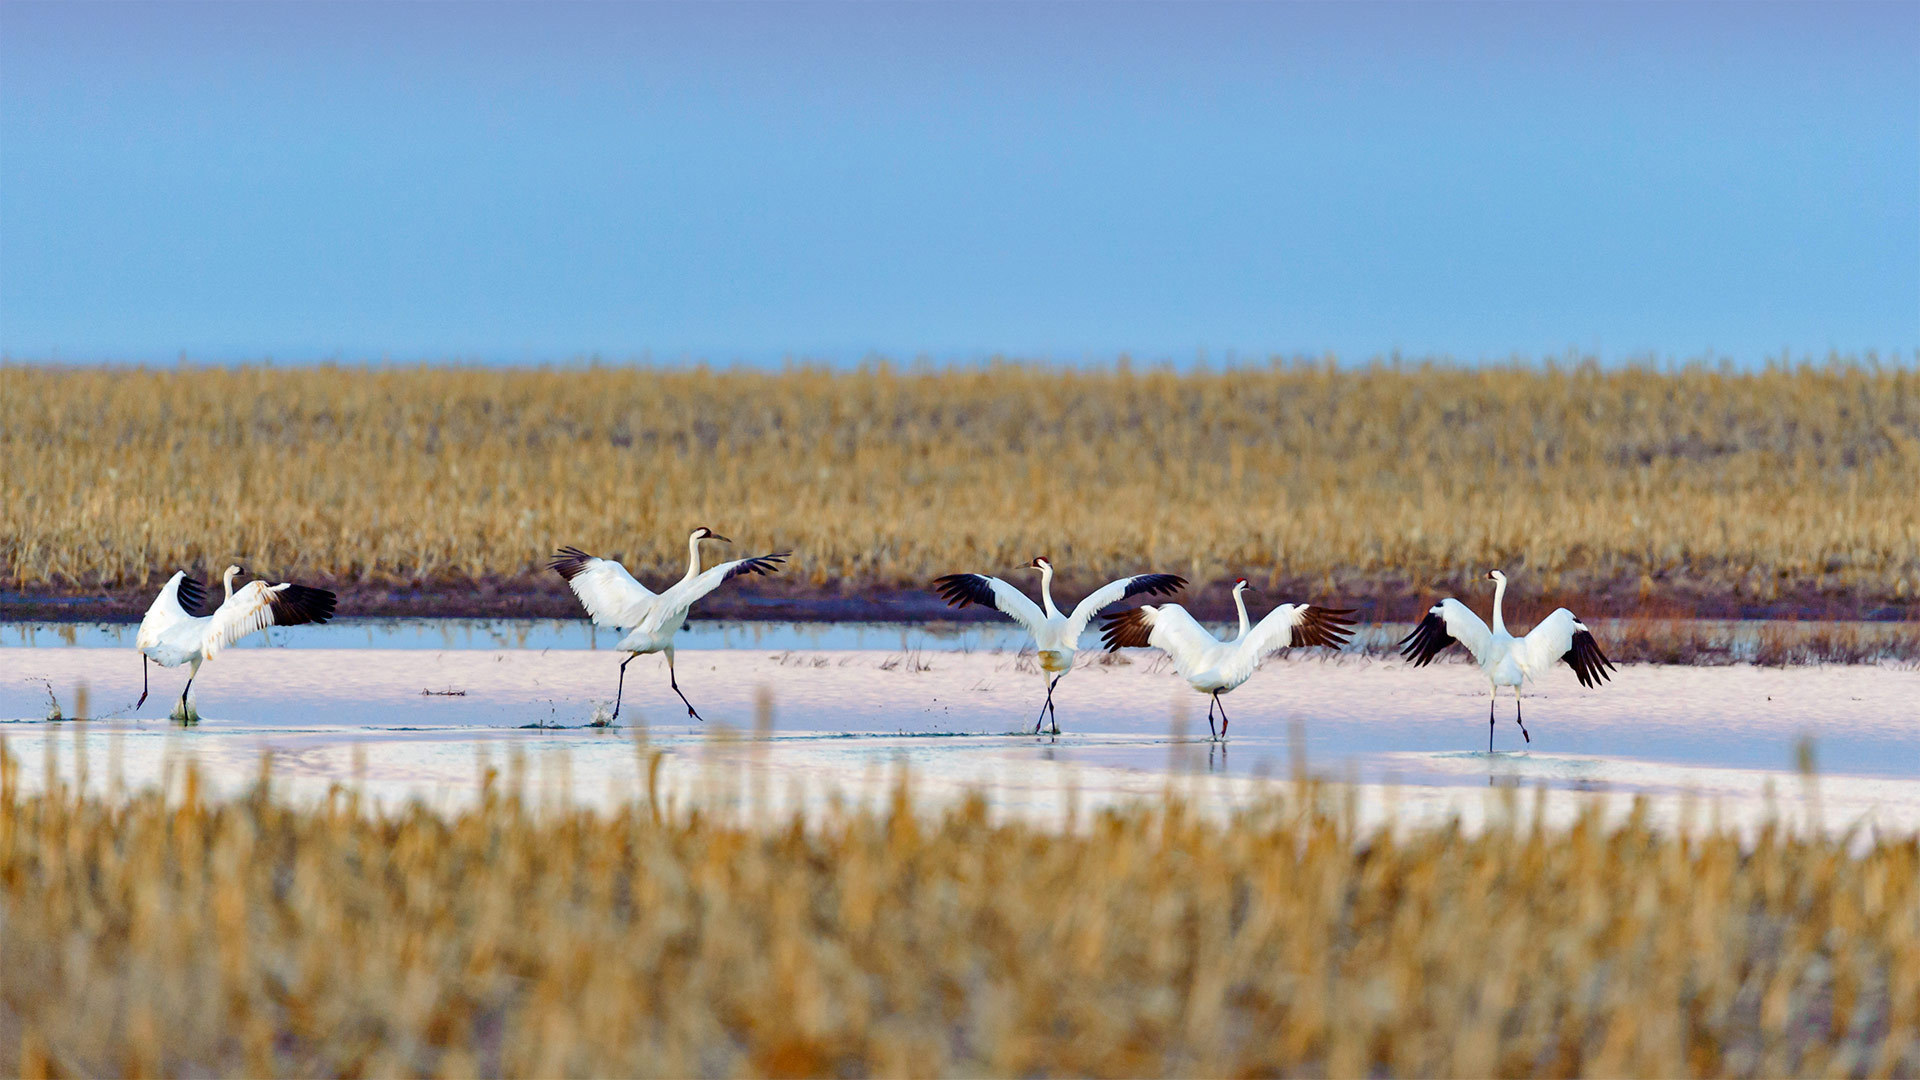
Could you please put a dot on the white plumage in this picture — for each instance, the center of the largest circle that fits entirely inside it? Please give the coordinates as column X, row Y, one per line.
column 1055, row 634
column 1214, row 667
column 614, row 599
column 176, row 630
column 1508, row 660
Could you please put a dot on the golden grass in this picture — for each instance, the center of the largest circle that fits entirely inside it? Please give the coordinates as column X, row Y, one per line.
column 1755, row 485
column 148, row 936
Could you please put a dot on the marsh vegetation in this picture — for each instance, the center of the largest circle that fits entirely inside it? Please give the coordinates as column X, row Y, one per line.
column 150, row 934
column 1696, row 490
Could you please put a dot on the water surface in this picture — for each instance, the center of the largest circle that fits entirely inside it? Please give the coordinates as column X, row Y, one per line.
column 415, row 709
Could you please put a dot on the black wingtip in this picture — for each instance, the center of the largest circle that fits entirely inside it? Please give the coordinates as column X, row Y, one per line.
column 760, row 564
column 1325, row 626
column 1127, row 630
column 192, row 596
column 959, row 590
column 1157, row 585
column 1427, row 641
column 568, row 562
column 1589, row 664
column 296, row 605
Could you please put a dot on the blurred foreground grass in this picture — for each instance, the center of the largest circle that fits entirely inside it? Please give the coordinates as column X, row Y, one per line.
column 152, row 935
column 1794, row 484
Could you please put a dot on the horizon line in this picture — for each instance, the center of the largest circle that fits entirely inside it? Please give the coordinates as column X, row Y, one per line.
column 1643, row 360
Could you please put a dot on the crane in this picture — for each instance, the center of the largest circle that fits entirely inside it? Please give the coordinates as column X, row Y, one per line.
column 1507, row 660
column 1055, row 634
column 1214, row 667
column 613, row 598
column 177, row 628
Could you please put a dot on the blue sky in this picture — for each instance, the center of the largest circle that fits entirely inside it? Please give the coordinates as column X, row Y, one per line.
column 739, row 181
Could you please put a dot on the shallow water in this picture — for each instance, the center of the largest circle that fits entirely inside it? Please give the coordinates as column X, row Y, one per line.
column 393, row 706
column 1718, row 639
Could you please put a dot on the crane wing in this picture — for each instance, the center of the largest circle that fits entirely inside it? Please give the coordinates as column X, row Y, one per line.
column 1447, row 622
column 1300, row 625
column 683, row 593
column 1115, row 591
column 1562, row 638
column 257, row 606
column 611, row 595
column 181, row 599
column 1167, row 627
column 963, row 589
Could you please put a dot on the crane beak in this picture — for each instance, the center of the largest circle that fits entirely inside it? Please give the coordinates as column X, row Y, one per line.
column 717, row 536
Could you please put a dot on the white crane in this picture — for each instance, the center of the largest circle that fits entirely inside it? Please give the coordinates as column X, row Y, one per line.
column 1507, row 660
column 1214, row 667
column 614, row 599
column 177, row 630
column 1056, row 635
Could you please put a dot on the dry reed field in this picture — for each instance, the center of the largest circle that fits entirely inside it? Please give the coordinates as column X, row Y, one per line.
column 1784, row 490
column 151, row 935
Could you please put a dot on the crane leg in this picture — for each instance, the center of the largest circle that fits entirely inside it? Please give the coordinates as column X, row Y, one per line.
column 144, row 661
column 1223, row 718
column 1213, row 701
column 1516, row 717
column 1047, row 707
column 1490, row 702
column 186, row 707
column 675, row 683
column 620, row 687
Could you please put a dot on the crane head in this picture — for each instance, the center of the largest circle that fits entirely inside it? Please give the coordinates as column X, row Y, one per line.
column 1242, row 585
column 704, row 533
column 1039, row 563
column 1495, row 575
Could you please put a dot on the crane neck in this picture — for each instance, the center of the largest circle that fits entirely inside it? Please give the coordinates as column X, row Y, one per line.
column 693, row 558
column 1240, row 605
column 226, row 580
column 1046, row 591
column 1499, row 598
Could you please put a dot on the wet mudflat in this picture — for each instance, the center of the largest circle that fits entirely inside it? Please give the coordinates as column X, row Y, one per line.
column 425, row 709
